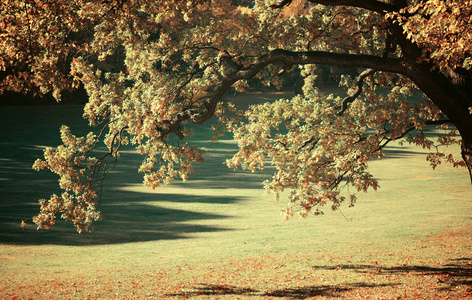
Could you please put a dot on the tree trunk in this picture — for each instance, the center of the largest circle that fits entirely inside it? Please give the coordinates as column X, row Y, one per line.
column 452, row 101
column 467, row 152
column 452, row 93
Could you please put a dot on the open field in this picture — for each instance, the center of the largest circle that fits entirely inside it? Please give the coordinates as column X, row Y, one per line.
column 219, row 236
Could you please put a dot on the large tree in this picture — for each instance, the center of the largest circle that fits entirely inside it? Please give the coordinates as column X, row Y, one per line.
column 150, row 68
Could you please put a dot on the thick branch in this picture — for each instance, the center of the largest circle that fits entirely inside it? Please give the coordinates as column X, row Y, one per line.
column 372, row 5
column 452, row 102
column 281, row 4
column 340, row 60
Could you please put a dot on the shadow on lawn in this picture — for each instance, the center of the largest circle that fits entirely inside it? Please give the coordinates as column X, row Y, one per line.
column 125, row 222
column 321, row 290
column 458, row 272
column 398, row 152
column 130, row 215
column 288, row 293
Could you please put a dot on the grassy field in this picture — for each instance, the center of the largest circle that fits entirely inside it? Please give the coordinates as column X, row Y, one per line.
column 219, row 236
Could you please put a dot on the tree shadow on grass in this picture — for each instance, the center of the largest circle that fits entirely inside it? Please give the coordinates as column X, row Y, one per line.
column 216, row 290
column 130, row 215
column 140, row 218
column 332, row 291
column 453, row 274
column 393, row 152
column 286, row 293
column 457, row 272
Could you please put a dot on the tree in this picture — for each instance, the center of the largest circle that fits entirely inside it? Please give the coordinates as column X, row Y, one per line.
column 150, row 68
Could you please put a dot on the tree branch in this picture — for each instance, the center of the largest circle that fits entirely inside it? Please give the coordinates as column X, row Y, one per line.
column 341, row 60
column 372, row 5
column 359, row 85
column 408, row 130
column 281, row 4
column 360, row 79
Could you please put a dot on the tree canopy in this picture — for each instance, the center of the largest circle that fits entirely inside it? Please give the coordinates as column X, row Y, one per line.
column 151, row 68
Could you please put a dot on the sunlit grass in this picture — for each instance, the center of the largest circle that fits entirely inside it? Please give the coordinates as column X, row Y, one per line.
column 220, row 236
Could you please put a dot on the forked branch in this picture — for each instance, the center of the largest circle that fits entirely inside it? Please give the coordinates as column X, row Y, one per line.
column 359, row 85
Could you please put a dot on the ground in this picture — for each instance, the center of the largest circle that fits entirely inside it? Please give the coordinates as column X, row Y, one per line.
column 219, row 236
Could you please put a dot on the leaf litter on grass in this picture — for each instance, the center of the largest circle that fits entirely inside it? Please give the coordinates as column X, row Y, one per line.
column 435, row 267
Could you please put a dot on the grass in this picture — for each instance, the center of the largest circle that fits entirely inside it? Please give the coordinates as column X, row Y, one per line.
column 218, row 236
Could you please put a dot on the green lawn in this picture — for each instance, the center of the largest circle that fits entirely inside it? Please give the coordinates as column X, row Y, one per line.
column 220, row 236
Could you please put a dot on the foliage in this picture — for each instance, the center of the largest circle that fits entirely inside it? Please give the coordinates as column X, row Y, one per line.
column 152, row 67
column 442, row 30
